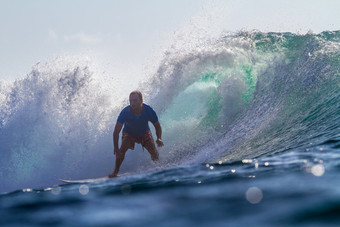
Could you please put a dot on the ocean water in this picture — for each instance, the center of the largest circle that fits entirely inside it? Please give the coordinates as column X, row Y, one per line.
column 250, row 125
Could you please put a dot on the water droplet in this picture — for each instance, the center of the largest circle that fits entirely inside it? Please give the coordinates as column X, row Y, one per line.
column 126, row 189
column 254, row 195
column 27, row 190
column 318, row 170
column 84, row 189
column 56, row 190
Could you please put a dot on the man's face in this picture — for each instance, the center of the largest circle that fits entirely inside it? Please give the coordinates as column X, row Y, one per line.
column 135, row 101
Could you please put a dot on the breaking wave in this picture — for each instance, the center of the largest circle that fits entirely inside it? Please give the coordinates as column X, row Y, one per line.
column 240, row 96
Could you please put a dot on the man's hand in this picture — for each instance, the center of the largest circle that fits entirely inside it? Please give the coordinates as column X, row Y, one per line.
column 115, row 151
column 159, row 142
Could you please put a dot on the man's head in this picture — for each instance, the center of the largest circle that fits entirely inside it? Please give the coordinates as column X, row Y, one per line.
column 136, row 99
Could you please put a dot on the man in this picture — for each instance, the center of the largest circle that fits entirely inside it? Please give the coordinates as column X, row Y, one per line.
column 135, row 118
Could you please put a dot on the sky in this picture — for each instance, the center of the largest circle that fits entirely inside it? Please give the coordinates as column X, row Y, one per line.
column 127, row 34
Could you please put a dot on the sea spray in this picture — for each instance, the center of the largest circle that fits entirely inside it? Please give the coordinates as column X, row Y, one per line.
column 50, row 122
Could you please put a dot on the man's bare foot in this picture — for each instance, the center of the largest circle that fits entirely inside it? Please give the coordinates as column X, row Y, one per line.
column 112, row 175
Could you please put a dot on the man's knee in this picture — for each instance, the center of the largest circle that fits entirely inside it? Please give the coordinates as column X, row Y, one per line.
column 151, row 148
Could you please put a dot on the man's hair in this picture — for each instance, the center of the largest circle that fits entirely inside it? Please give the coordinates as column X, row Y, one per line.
column 137, row 93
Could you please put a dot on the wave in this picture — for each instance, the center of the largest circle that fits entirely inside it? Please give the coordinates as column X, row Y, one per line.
column 249, row 94
column 240, row 96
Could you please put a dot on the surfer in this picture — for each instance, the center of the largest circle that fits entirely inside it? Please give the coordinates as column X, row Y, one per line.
column 135, row 118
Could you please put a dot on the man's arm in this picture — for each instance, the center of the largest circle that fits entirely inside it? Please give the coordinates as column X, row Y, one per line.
column 159, row 134
column 116, row 132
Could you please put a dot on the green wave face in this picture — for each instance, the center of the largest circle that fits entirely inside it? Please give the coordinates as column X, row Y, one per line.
column 271, row 85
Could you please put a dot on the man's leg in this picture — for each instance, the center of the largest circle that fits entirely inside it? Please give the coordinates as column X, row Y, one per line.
column 151, row 148
column 149, row 144
column 119, row 160
column 126, row 144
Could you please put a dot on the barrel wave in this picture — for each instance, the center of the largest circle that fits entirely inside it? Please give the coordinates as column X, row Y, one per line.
column 241, row 96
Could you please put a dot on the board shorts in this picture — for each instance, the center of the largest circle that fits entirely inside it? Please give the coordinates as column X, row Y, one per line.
column 146, row 140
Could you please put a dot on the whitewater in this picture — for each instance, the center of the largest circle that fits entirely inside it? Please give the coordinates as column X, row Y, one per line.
column 250, row 125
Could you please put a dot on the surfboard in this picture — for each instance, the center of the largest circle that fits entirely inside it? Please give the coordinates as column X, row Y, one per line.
column 91, row 180
column 84, row 181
